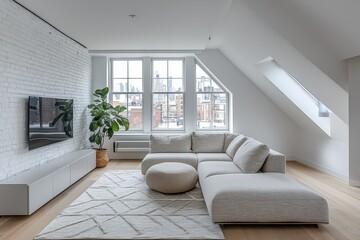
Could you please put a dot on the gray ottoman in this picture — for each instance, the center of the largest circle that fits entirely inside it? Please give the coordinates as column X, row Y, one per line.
column 156, row 158
column 171, row 177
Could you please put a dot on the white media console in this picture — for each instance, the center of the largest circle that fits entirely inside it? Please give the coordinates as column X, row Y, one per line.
column 26, row 192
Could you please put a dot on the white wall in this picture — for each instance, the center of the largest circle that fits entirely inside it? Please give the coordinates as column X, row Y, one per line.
column 99, row 72
column 254, row 114
column 330, row 155
column 354, row 99
column 37, row 60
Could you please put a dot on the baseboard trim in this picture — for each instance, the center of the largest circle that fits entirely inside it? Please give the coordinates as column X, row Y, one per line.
column 324, row 169
column 354, row 183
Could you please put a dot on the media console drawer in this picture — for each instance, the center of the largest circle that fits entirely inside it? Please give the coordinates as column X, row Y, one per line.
column 40, row 193
column 26, row 192
column 61, row 180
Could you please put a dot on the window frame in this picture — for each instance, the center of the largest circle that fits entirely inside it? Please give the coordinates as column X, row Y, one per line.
column 127, row 93
column 224, row 91
column 189, row 93
column 152, row 129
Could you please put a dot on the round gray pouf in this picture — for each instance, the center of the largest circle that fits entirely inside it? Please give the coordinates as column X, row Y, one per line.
column 171, row 177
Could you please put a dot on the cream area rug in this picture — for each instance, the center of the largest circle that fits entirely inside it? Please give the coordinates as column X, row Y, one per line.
column 121, row 206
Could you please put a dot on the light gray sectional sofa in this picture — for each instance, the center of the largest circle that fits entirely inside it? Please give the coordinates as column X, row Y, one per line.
column 242, row 180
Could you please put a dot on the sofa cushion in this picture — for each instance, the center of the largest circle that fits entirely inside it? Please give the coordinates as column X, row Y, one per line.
column 204, row 157
column 206, row 169
column 228, row 139
column 251, row 156
column 234, row 145
column 275, row 162
column 155, row 158
column 207, row 142
column 170, row 143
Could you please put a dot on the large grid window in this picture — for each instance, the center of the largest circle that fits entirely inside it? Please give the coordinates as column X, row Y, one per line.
column 212, row 103
column 168, row 94
column 127, row 89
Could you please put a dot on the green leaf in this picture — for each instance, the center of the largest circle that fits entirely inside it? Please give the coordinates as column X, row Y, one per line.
column 98, row 140
column 126, row 125
column 120, row 109
column 93, row 126
column 95, row 118
column 105, row 91
column 91, row 106
column 108, row 122
column 110, row 133
column 98, row 92
column 92, row 138
column 123, row 122
column 115, row 126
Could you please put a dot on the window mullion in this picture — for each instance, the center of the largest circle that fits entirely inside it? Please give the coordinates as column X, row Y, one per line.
column 147, row 94
column 189, row 95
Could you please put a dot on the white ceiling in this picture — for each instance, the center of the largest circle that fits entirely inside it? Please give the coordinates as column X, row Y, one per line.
column 159, row 25
column 187, row 24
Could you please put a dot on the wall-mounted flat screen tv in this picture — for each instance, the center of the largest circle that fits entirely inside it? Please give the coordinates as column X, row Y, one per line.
column 50, row 121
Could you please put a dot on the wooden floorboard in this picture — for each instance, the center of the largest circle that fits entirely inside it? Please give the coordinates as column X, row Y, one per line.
column 343, row 200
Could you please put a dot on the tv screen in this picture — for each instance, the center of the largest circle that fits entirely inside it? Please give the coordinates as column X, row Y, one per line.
column 50, row 120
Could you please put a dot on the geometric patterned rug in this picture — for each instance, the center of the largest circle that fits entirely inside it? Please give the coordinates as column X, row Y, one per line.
column 121, row 206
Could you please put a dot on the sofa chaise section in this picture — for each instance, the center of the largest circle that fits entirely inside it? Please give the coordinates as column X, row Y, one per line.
column 262, row 198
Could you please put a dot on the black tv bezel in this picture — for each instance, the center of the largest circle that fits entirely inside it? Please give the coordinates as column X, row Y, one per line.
column 30, row 147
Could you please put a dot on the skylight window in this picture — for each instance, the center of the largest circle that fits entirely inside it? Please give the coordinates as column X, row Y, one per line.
column 297, row 93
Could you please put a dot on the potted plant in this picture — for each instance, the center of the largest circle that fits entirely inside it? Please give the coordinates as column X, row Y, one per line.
column 105, row 122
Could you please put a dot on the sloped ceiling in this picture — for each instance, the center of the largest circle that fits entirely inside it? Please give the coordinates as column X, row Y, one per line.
column 248, row 37
column 335, row 22
column 158, row 25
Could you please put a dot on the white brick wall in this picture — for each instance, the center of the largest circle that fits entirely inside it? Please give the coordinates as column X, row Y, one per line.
column 35, row 59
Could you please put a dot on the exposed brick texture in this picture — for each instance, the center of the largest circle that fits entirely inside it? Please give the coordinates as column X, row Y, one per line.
column 37, row 60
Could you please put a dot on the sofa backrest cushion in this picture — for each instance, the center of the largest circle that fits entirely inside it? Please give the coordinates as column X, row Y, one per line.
column 235, row 144
column 228, row 139
column 251, row 156
column 207, row 142
column 170, row 143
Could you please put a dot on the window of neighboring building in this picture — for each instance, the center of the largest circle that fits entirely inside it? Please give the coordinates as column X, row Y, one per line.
column 168, row 94
column 127, row 89
column 212, row 103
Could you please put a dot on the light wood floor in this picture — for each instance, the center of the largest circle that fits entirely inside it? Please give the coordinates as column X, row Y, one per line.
column 343, row 200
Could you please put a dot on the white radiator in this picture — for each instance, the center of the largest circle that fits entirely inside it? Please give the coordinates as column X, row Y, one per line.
column 131, row 146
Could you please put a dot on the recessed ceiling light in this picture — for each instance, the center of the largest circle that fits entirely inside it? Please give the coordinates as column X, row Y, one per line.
column 132, row 16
